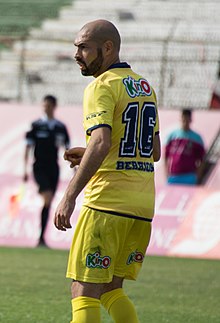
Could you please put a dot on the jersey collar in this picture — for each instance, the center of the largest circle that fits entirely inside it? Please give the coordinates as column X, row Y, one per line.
column 50, row 122
column 119, row 65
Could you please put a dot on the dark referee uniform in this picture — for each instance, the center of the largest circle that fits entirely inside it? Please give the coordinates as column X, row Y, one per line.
column 47, row 135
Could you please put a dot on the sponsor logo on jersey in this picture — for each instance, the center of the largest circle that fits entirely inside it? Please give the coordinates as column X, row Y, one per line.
column 95, row 114
column 135, row 256
column 96, row 261
column 136, row 88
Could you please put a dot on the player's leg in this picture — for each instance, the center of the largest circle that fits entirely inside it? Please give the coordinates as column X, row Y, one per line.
column 85, row 267
column 128, row 265
column 47, row 197
column 47, row 180
column 92, row 260
column 117, row 303
column 86, row 302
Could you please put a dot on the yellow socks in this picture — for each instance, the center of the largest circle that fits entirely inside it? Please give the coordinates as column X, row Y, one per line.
column 86, row 310
column 119, row 306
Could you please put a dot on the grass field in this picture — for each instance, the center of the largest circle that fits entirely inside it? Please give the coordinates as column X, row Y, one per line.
column 33, row 289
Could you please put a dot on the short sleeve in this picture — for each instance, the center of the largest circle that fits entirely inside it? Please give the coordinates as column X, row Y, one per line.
column 30, row 136
column 67, row 138
column 157, row 125
column 98, row 106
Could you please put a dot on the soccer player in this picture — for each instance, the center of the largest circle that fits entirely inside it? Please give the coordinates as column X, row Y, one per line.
column 184, row 153
column 117, row 168
column 46, row 135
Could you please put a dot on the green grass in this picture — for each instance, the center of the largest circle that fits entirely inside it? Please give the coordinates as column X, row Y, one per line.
column 33, row 289
column 18, row 16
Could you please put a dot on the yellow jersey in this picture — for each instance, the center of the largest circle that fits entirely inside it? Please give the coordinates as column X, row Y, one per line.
column 124, row 101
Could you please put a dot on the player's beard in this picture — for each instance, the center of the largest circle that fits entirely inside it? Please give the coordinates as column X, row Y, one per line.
column 94, row 66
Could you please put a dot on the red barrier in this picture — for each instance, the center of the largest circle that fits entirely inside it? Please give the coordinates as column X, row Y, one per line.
column 199, row 234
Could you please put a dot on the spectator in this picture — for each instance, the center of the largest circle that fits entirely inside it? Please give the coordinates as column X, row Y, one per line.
column 46, row 135
column 114, row 226
column 184, row 153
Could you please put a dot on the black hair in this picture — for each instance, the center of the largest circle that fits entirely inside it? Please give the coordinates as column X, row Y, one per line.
column 187, row 112
column 52, row 99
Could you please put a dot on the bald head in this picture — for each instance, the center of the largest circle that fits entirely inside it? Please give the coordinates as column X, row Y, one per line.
column 98, row 45
column 101, row 31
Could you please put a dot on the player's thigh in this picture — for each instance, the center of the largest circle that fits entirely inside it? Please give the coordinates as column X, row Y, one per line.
column 95, row 290
column 47, row 197
column 133, row 250
column 54, row 177
column 96, row 246
column 46, row 178
column 41, row 178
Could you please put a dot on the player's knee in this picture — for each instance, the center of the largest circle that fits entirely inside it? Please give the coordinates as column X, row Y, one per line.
column 86, row 289
column 116, row 282
column 47, row 197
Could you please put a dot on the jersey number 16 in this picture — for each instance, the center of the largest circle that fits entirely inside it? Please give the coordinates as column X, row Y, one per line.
column 144, row 139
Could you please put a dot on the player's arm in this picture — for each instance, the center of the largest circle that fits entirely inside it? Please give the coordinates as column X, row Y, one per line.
column 167, row 157
column 156, row 148
column 201, row 162
column 26, row 158
column 200, row 167
column 166, row 166
column 29, row 144
column 74, row 155
column 200, row 171
column 92, row 159
column 67, row 138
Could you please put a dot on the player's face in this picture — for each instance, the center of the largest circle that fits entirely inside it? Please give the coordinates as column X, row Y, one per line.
column 48, row 108
column 186, row 120
column 89, row 56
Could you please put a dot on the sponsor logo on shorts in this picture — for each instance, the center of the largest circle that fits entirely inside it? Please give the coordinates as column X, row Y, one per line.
column 96, row 261
column 135, row 256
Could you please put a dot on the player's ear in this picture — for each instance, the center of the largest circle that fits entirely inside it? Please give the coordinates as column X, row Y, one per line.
column 108, row 47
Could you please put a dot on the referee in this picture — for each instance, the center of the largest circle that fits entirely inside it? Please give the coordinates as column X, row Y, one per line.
column 45, row 136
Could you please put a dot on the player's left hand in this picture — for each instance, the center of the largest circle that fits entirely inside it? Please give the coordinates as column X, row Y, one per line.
column 74, row 155
column 63, row 214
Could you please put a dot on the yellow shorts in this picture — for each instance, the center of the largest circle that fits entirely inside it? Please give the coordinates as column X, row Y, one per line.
column 105, row 245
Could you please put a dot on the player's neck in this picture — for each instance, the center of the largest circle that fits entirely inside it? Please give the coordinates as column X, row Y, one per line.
column 186, row 128
column 49, row 116
column 105, row 66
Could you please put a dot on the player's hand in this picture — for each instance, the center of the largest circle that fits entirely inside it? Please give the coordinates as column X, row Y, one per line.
column 74, row 155
column 25, row 177
column 63, row 214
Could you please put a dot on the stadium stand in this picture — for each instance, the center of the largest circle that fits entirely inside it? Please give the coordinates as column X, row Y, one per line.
column 175, row 43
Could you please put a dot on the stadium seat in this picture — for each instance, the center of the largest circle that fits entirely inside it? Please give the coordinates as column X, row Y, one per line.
column 174, row 43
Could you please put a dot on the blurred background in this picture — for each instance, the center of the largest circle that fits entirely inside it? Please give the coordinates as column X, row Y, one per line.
column 175, row 44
